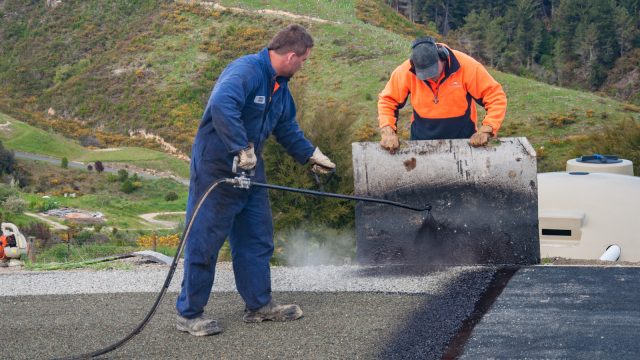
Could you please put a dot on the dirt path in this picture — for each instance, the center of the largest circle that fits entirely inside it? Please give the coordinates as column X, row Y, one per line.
column 162, row 224
column 216, row 6
column 56, row 225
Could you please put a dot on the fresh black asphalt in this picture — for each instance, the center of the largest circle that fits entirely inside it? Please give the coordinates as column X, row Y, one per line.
column 562, row 313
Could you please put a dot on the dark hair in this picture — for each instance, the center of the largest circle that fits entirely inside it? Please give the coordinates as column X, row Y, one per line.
column 292, row 38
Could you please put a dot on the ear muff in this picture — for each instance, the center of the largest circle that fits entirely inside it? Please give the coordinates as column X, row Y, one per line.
column 443, row 53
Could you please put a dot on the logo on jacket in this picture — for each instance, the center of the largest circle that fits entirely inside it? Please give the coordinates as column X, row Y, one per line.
column 455, row 84
column 259, row 100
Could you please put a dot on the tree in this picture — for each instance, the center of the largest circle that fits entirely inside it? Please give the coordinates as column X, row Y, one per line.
column 99, row 167
column 567, row 19
column 64, row 163
column 626, row 30
column 7, row 160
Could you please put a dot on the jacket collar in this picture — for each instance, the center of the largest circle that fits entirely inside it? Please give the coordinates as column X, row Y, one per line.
column 266, row 63
column 268, row 68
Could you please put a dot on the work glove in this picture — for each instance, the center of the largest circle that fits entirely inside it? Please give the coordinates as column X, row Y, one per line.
column 321, row 163
column 481, row 137
column 247, row 159
column 389, row 139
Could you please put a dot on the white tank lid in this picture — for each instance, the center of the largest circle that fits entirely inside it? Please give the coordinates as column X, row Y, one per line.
column 600, row 164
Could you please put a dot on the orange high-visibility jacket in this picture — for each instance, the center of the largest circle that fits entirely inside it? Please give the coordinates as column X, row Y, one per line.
column 444, row 110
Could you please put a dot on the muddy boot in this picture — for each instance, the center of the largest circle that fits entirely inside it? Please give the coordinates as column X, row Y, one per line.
column 199, row 326
column 274, row 312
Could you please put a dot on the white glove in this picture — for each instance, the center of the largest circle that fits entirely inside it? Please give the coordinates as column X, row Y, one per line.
column 247, row 158
column 321, row 163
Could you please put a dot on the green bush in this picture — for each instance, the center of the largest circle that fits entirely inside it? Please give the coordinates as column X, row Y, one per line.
column 42, row 205
column 331, row 130
column 7, row 160
column 6, row 192
column 621, row 139
column 15, row 204
column 64, row 163
column 171, row 196
column 127, row 187
column 123, row 175
column 82, row 237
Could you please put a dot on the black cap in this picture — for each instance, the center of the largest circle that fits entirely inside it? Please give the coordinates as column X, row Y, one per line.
column 425, row 60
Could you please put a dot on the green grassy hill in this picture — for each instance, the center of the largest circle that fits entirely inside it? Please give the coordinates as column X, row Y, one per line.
column 19, row 136
column 120, row 65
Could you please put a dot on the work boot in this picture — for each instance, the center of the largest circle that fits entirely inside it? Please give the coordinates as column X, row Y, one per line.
column 274, row 312
column 200, row 326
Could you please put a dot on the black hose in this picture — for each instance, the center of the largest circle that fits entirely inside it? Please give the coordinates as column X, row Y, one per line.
column 243, row 182
column 427, row 207
column 163, row 291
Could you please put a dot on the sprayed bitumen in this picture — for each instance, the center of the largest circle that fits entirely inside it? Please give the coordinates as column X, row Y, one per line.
column 469, row 224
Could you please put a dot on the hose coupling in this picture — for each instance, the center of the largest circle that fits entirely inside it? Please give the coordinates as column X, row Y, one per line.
column 241, row 181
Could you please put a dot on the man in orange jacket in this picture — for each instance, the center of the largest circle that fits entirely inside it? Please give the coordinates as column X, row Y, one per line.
column 443, row 83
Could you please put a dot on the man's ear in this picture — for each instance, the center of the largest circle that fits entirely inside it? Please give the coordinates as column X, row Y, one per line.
column 290, row 56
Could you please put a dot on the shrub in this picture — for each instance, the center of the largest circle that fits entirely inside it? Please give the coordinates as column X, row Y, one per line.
column 99, row 167
column 6, row 192
column 64, row 163
column 43, row 205
column 90, row 141
column 171, row 196
column 7, row 160
column 147, row 241
column 38, row 230
column 82, row 237
column 331, row 130
column 123, row 175
column 127, row 187
column 15, row 204
column 621, row 139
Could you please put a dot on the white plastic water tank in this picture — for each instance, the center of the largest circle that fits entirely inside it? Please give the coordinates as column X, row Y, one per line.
column 581, row 214
column 601, row 164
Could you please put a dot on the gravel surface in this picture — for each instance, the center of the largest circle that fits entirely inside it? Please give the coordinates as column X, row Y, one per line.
column 344, row 278
column 336, row 325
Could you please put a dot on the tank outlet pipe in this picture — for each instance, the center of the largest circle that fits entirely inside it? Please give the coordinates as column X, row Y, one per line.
column 611, row 254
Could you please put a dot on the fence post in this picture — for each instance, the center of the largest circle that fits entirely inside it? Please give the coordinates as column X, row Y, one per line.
column 31, row 251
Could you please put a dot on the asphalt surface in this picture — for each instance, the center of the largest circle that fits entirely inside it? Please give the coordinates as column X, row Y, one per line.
column 336, row 325
column 546, row 312
column 562, row 313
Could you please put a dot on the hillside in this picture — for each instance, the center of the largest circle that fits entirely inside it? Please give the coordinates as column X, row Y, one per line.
column 94, row 71
column 19, row 136
column 147, row 64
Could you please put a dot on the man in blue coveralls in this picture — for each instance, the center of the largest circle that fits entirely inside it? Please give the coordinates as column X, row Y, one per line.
column 250, row 101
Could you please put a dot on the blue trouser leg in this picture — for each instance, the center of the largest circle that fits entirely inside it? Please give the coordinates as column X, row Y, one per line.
column 251, row 243
column 211, row 226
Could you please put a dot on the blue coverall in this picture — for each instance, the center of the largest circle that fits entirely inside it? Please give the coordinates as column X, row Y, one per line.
column 242, row 108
